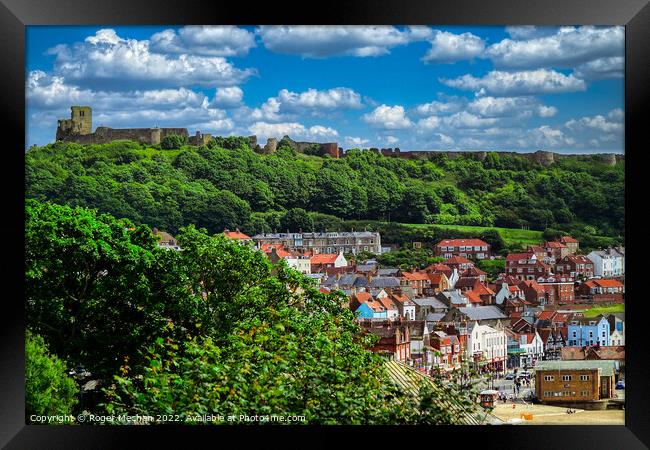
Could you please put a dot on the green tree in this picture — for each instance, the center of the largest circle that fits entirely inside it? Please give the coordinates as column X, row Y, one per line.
column 48, row 388
column 173, row 142
column 297, row 219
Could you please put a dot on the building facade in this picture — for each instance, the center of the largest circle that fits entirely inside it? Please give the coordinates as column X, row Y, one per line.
column 574, row 381
column 609, row 262
column 464, row 248
column 332, row 242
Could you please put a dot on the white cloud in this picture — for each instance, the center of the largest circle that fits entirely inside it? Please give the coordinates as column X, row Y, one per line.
column 105, row 60
column 436, row 107
column 546, row 111
column 228, row 97
column 429, row 123
column 331, row 99
column 465, row 119
column 288, row 105
column 541, row 81
column 204, row 40
column 390, row 140
column 602, row 68
column 52, row 92
column 567, row 47
column 354, row 141
column 616, row 114
column 294, row 130
column 502, row 106
column 448, row 47
column 387, row 118
column 529, row 31
column 546, row 136
column 596, row 123
column 311, row 41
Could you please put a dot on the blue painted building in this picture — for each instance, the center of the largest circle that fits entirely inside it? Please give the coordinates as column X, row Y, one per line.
column 584, row 331
column 366, row 312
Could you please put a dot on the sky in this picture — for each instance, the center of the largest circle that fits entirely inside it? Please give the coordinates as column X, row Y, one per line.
column 521, row 88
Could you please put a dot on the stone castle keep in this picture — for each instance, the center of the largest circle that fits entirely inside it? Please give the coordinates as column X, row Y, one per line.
column 79, row 128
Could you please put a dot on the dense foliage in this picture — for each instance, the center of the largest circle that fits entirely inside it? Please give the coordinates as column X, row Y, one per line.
column 211, row 329
column 227, row 185
column 48, row 388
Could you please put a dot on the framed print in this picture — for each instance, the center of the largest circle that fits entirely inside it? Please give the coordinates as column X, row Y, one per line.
column 408, row 217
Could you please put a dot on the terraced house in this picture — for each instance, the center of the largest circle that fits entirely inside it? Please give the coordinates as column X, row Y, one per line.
column 335, row 242
column 464, row 248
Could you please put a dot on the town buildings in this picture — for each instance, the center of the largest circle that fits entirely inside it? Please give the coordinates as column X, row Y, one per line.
column 464, row 248
column 589, row 331
column 609, row 262
column 571, row 382
column 348, row 242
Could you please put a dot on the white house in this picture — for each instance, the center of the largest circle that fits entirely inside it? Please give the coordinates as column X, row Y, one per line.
column 617, row 338
column 488, row 346
column 533, row 348
column 609, row 262
column 301, row 263
column 453, row 279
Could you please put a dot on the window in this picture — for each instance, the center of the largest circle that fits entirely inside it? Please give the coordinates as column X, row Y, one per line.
column 585, row 393
column 548, row 394
column 584, row 377
column 549, row 378
column 566, row 377
column 574, row 334
column 567, row 393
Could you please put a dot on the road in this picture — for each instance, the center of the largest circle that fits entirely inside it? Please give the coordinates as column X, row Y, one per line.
column 507, row 386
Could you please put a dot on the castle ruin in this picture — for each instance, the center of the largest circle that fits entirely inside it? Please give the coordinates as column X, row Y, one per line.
column 78, row 128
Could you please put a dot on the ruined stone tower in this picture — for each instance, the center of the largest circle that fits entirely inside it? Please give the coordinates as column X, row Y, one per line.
column 80, row 123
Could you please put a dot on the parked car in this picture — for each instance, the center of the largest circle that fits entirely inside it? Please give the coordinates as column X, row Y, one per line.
column 510, row 376
column 620, row 384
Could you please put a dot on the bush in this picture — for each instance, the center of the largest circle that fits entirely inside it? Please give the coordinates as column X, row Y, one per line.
column 173, row 142
column 48, row 388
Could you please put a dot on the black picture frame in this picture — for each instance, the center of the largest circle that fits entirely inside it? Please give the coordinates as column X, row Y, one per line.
column 15, row 15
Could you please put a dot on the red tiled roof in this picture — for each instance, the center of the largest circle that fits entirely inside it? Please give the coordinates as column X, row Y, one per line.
column 436, row 278
column 582, row 259
column 608, row 283
column 324, row 290
column 401, row 299
column 324, row 258
column 416, row 276
column 387, row 303
column 518, row 256
column 561, row 317
column 554, row 244
column 545, row 315
column 438, row 267
column 473, row 272
column 473, row 297
column 235, row 235
column 279, row 250
column 363, row 296
column 462, row 242
column 481, row 289
column 458, row 260
column 569, row 239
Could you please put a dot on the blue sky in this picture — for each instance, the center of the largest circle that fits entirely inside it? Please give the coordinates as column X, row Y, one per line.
column 416, row 88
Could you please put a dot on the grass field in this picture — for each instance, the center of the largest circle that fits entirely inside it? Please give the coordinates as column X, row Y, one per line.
column 595, row 311
column 509, row 235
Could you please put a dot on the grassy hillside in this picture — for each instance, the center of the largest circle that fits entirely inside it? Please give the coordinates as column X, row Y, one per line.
column 509, row 235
